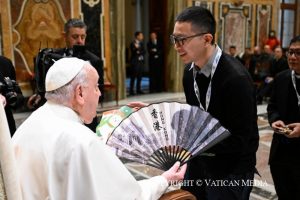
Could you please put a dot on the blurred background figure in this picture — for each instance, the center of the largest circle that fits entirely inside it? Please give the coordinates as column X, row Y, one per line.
column 246, row 57
column 262, row 65
column 279, row 63
column 137, row 62
column 154, row 48
column 233, row 53
column 272, row 40
column 254, row 60
column 10, row 93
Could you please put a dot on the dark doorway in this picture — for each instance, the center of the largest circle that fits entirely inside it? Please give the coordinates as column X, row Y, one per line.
column 158, row 24
column 152, row 18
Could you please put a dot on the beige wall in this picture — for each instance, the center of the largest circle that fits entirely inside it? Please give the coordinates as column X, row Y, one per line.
column 130, row 21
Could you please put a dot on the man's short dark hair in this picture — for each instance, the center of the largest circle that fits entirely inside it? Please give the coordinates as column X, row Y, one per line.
column 295, row 39
column 232, row 47
column 200, row 18
column 74, row 22
column 137, row 33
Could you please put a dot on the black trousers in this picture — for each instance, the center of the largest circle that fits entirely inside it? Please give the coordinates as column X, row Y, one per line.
column 286, row 179
column 232, row 187
column 156, row 75
column 136, row 73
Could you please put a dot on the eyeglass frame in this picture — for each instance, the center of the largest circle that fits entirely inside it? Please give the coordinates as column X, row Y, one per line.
column 180, row 40
column 293, row 52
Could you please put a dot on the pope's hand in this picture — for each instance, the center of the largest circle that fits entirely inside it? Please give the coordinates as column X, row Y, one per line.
column 175, row 173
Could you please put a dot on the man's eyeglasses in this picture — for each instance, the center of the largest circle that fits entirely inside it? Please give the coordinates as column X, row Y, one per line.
column 180, row 40
column 293, row 52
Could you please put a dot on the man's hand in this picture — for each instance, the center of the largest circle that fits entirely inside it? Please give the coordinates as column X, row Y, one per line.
column 3, row 100
column 136, row 105
column 175, row 173
column 295, row 127
column 280, row 127
column 33, row 101
column 269, row 79
column 277, row 125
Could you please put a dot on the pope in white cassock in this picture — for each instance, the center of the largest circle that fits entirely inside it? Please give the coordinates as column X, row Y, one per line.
column 59, row 158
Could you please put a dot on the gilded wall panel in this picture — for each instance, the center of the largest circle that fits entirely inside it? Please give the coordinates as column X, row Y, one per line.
column 205, row 4
column 39, row 25
column 247, row 19
column 234, row 26
column 264, row 14
column 35, row 24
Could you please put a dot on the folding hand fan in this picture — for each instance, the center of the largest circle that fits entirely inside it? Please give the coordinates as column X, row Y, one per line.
column 110, row 119
column 161, row 134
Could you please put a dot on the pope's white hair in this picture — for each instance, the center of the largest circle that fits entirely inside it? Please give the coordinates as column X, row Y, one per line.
column 66, row 93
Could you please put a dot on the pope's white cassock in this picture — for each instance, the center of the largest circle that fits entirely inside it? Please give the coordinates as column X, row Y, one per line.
column 58, row 158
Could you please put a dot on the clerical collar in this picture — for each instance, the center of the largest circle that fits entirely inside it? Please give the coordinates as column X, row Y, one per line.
column 297, row 76
column 207, row 68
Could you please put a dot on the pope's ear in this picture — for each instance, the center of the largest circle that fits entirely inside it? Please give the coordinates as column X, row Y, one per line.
column 79, row 94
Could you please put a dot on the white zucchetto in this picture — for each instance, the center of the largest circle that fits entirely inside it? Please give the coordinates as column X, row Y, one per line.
column 62, row 72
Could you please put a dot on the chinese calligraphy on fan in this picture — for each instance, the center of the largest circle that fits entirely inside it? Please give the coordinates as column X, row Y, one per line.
column 156, row 124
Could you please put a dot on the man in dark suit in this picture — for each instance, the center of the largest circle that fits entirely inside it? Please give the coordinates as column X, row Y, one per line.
column 284, row 118
column 279, row 63
column 154, row 48
column 137, row 62
column 221, row 85
column 74, row 35
column 233, row 53
column 10, row 93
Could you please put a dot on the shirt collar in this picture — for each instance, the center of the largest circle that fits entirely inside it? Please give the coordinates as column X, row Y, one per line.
column 206, row 69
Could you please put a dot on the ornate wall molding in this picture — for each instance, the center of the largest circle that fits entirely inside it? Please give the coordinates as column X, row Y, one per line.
column 205, row 4
column 27, row 26
column 38, row 25
column 234, row 26
column 263, row 23
column 91, row 3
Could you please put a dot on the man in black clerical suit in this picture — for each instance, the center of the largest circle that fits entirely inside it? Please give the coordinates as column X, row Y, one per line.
column 137, row 62
column 284, row 118
column 10, row 93
column 75, row 35
column 221, row 85
column 156, row 72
